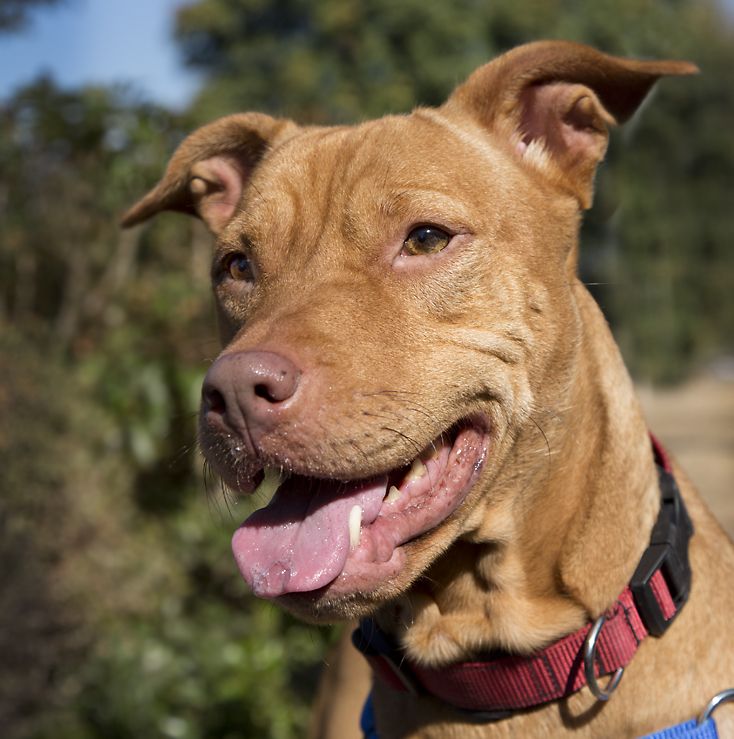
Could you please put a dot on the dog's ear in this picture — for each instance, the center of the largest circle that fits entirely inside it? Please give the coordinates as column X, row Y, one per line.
column 553, row 101
column 208, row 171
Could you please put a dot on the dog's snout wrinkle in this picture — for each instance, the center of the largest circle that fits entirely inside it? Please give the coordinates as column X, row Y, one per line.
column 250, row 389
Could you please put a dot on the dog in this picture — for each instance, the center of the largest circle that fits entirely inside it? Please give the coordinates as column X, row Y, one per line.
column 455, row 454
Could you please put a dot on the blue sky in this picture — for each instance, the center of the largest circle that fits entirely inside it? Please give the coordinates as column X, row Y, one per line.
column 88, row 41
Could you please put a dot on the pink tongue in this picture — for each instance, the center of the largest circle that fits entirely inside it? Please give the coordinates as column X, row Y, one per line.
column 300, row 541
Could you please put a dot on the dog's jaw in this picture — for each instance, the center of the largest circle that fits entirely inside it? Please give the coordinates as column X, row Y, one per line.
column 322, row 542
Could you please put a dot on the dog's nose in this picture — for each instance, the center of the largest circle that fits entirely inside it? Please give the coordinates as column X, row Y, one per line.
column 249, row 388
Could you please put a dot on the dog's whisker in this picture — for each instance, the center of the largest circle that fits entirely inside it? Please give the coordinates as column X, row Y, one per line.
column 549, row 454
column 360, row 451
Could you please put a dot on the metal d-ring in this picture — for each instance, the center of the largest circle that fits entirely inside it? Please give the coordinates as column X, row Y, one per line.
column 601, row 694
column 723, row 697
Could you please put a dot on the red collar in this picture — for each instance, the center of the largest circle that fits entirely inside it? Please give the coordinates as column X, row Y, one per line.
column 499, row 684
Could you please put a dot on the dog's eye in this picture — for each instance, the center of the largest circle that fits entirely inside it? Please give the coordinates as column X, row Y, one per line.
column 238, row 267
column 425, row 240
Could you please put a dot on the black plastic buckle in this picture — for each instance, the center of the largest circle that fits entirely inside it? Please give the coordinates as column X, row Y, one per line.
column 668, row 552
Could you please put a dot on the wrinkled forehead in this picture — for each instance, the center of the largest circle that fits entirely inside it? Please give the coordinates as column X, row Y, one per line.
column 347, row 155
column 421, row 167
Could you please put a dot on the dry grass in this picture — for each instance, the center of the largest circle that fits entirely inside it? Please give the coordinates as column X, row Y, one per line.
column 696, row 423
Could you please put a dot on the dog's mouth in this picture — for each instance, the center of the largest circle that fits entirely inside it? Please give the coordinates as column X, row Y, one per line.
column 343, row 537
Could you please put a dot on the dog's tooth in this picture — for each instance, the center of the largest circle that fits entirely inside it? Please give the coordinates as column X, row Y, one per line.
column 355, row 526
column 417, row 470
column 392, row 495
column 273, row 478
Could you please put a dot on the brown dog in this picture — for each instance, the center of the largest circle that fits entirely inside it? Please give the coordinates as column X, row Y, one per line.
column 412, row 362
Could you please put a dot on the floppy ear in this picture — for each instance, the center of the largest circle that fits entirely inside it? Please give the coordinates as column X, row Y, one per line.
column 209, row 170
column 554, row 101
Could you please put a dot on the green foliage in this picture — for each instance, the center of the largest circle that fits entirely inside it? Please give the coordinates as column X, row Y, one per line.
column 342, row 60
column 56, row 462
column 120, row 602
column 334, row 60
column 68, row 160
column 672, row 300
column 194, row 660
column 121, row 591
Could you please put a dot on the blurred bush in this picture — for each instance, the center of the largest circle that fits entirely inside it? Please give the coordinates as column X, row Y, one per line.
column 122, row 608
column 122, row 613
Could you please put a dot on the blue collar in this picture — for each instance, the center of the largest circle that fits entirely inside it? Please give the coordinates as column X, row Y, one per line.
column 687, row 730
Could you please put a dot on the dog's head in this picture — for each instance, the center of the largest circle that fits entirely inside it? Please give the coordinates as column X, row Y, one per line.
column 395, row 303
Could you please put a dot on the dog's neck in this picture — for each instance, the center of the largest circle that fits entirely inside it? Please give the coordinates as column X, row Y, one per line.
column 538, row 561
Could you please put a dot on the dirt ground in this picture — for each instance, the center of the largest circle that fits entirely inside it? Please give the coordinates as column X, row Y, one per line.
column 696, row 423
